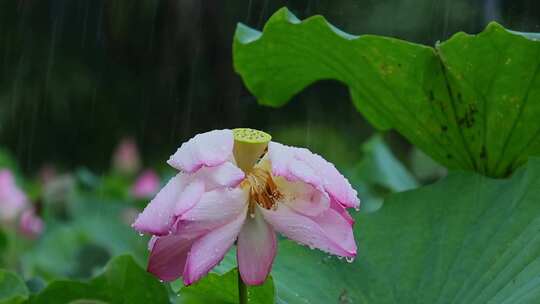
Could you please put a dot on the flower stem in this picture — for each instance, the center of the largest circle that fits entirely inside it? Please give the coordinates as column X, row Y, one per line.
column 242, row 290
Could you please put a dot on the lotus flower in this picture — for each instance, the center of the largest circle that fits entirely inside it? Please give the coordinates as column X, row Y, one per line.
column 238, row 186
column 12, row 199
column 30, row 224
column 146, row 185
column 126, row 158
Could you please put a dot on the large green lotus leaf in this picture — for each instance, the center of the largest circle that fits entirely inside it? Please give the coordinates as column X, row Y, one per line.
column 223, row 289
column 466, row 239
column 123, row 281
column 12, row 288
column 470, row 103
column 380, row 167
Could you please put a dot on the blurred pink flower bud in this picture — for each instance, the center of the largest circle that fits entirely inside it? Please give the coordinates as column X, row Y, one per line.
column 238, row 186
column 146, row 185
column 30, row 224
column 12, row 199
column 47, row 173
column 126, row 158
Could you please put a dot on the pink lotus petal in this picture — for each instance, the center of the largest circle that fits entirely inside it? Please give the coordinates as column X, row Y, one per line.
column 146, row 185
column 12, row 200
column 210, row 249
column 256, row 250
column 30, row 224
column 168, row 256
column 299, row 164
column 182, row 193
column 197, row 228
column 207, row 179
column 302, row 197
column 329, row 231
column 224, row 175
column 215, row 208
column 218, row 205
column 206, row 149
column 189, row 196
column 157, row 216
column 342, row 211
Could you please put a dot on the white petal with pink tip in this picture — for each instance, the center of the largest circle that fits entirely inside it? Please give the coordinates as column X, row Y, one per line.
column 157, row 216
column 206, row 149
column 328, row 232
column 293, row 163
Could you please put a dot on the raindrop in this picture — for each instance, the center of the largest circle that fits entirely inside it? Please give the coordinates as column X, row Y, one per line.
column 349, row 259
column 140, row 234
column 161, row 281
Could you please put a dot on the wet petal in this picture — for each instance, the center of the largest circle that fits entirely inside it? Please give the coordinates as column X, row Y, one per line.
column 224, row 175
column 216, row 205
column 207, row 179
column 342, row 211
column 328, row 231
column 302, row 197
column 189, row 196
column 206, row 149
column 256, row 250
column 210, row 249
column 300, row 164
column 157, row 216
column 168, row 256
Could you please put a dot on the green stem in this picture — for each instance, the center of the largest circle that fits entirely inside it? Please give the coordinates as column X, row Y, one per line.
column 242, row 290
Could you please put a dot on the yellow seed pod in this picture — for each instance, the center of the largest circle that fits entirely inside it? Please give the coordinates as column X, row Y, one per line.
column 249, row 146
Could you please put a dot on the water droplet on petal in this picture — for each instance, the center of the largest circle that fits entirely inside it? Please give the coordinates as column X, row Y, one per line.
column 349, row 259
column 140, row 234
